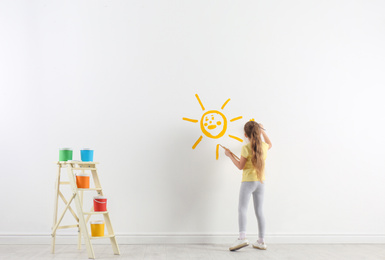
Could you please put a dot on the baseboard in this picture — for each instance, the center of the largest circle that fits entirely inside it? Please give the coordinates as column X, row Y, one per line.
column 197, row 239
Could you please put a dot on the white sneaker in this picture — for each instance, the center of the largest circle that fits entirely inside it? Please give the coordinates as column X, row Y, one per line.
column 238, row 244
column 261, row 246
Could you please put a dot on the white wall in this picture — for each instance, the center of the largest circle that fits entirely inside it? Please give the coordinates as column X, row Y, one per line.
column 118, row 76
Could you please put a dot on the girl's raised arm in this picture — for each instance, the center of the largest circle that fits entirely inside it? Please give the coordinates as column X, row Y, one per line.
column 265, row 137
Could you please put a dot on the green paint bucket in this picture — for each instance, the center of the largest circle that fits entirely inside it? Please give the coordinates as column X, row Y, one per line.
column 65, row 154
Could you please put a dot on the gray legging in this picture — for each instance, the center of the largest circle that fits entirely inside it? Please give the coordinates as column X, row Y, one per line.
column 257, row 189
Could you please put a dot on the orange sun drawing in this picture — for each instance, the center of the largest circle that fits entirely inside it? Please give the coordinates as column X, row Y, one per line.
column 213, row 124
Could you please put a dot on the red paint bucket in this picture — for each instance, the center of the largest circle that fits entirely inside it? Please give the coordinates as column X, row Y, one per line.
column 100, row 203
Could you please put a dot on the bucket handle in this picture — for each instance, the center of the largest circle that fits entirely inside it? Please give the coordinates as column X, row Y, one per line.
column 100, row 201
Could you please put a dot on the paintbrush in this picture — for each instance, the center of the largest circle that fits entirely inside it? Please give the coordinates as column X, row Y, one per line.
column 230, row 152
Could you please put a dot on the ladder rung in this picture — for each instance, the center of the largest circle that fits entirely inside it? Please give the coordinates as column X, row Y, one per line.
column 77, row 162
column 90, row 189
column 95, row 213
column 84, row 169
column 69, row 226
column 65, row 182
column 108, row 236
column 84, row 163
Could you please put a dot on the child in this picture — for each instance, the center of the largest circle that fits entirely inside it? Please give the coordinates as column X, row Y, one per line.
column 252, row 162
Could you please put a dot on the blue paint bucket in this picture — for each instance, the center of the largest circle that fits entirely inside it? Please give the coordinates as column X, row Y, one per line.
column 87, row 155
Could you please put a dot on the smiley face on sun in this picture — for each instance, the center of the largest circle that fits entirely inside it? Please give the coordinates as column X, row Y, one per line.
column 213, row 124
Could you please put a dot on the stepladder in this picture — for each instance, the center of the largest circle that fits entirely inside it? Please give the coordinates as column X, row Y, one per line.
column 76, row 196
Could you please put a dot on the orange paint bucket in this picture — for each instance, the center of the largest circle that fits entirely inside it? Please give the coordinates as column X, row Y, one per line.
column 83, row 181
column 97, row 228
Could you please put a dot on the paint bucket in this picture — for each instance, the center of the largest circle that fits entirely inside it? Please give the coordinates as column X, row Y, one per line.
column 100, row 203
column 65, row 154
column 83, row 181
column 87, row 155
column 97, row 228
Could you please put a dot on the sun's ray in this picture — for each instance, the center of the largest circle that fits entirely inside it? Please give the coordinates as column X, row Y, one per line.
column 203, row 108
column 227, row 101
column 236, row 138
column 190, row 120
column 197, row 142
column 217, row 151
column 235, row 118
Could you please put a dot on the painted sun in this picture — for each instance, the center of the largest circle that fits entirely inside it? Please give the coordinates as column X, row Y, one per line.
column 213, row 124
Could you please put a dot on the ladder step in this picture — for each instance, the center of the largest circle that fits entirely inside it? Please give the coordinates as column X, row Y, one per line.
column 65, row 182
column 95, row 213
column 84, row 169
column 69, row 226
column 89, row 189
column 77, row 162
column 108, row 236
column 85, row 163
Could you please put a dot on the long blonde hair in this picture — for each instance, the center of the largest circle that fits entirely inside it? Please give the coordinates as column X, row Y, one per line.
column 253, row 132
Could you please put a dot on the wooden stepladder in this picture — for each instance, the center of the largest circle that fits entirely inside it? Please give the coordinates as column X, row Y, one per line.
column 77, row 197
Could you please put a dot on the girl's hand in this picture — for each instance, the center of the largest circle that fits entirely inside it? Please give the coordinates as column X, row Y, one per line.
column 228, row 152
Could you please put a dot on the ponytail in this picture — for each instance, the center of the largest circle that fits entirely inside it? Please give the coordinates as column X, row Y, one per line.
column 253, row 131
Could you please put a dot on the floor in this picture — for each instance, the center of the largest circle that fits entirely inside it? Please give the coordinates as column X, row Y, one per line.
column 206, row 251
